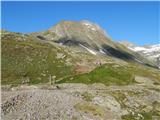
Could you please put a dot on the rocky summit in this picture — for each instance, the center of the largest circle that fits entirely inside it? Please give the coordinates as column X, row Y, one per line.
column 75, row 71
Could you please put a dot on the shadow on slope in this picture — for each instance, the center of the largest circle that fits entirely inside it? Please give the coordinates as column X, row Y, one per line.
column 71, row 42
column 117, row 53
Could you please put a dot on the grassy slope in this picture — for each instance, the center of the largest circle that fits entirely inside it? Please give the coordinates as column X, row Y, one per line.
column 30, row 59
column 24, row 57
column 111, row 74
column 144, row 71
column 106, row 74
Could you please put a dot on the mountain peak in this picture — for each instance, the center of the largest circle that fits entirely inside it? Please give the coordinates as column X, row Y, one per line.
column 87, row 22
column 84, row 31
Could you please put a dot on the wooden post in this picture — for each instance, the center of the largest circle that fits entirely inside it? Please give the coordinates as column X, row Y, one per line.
column 53, row 79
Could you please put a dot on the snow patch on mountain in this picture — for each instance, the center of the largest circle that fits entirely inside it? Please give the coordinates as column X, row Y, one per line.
column 89, row 50
column 101, row 51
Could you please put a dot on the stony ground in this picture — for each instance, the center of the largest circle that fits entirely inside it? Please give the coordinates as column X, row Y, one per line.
column 82, row 102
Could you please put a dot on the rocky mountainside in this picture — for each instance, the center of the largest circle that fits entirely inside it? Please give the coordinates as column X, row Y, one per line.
column 66, row 49
column 76, row 70
column 82, row 33
column 152, row 52
column 87, row 36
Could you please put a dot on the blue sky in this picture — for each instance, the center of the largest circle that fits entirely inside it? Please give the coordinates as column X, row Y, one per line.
column 137, row 22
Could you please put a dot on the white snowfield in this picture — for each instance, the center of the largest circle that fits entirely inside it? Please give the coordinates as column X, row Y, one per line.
column 137, row 48
column 146, row 49
column 150, row 51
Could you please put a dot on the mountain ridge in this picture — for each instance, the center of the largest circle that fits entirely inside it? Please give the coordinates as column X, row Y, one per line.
column 152, row 52
column 89, row 36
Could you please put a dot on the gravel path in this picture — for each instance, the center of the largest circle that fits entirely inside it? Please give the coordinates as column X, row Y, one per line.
column 79, row 102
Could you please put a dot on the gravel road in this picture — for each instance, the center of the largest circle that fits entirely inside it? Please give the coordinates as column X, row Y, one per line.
column 79, row 102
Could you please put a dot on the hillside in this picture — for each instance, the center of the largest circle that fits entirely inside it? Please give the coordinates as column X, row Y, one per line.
column 67, row 49
column 76, row 70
